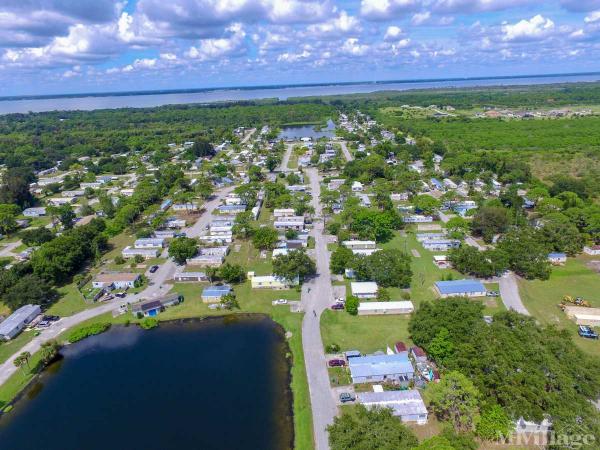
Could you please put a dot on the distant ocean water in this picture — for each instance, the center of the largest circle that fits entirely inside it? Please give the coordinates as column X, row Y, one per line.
column 150, row 99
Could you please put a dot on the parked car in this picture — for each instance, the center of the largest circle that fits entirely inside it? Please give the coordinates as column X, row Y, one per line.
column 493, row 294
column 51, row 318
column 587, row 332
column 340, row 300
column 153, row 269
column 43, row 324
column 281, row 301
column 347, row 397
column 337, row 363
column 120, row 294
column 337, row 306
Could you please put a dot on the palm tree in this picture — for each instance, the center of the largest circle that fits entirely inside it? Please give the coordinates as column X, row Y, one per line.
column 22, row 360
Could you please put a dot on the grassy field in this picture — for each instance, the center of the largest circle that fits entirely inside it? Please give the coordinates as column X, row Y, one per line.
column 542, row 297
column 370, row 333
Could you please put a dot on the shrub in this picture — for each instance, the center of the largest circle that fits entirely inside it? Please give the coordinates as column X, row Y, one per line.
column 149, row 323
column 88, row 330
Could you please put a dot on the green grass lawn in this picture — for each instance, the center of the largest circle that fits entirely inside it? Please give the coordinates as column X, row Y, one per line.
column 8, row 348
column 363, row 333
column 69, row 303
column 574, row 278
column 370, row 333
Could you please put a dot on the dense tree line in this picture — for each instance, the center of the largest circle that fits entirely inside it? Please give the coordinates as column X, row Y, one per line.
column 526, row 369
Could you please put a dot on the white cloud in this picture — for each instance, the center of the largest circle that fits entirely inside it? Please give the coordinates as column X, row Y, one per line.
column 352, row 47
column 212, row 49
column 293, row 57
column 593, row 17
column 387, row 9
column 420, row 18
column 337, row 26
column 535, row 28
column 392, row 33
column 472, row 6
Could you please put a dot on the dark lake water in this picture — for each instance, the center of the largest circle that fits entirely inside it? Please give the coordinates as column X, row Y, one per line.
column 147, row 100
column 297, row 132
column 218, row 384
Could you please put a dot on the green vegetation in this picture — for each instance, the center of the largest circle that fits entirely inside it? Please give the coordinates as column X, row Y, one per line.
column 147, row 323
column 370, row 429
column 526, row 369
column 577, row 278
column 89, row 330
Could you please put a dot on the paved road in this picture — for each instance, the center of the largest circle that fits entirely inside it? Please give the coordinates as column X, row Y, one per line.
column 7, row 250
column 248, row 136
column 156, row 288
column 286, row 157
column 509, row 291
column 345, row 151
column 319, row 298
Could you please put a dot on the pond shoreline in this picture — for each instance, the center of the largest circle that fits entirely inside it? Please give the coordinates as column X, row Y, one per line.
column 281, row 337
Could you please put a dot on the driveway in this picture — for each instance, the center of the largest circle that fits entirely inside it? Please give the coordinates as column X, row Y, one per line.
column 509, row 291
column 317, row 296
column 286, row 157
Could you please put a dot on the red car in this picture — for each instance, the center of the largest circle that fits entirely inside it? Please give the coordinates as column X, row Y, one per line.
column 337, row 363
column 337, row 306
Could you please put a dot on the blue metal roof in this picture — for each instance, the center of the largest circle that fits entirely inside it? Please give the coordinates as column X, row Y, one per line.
column 379, row 365
column 437, row 183
column 459, row 286
column 216, row 291
column 557, row 255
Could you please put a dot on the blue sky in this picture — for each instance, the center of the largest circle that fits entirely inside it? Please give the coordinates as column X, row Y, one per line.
column 66, row 46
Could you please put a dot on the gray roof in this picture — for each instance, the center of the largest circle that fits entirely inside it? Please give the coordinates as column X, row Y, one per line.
column 380, row 365
column 18, row 317
column 403, row 403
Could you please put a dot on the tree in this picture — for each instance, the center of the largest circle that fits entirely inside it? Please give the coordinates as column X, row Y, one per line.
column 242, row 226
column 49, row 352
column 15, row 187
column 352, row 303
column 265, row 238
column 494, row 424
column 383, row 295
column 489, row 221
column 341, row 259
column 366, row 429
column 8, row 218
column 64, row 214
column 272, row 162
column 425, row 204
column 229, row 301
column 484, row 264
column 232, row 273
column 255, row 174
column 295, row 264
column 457, row 227
column 441, row 347
column 204, row 188
column 22, row 360
column 29, row 289
column 388, row 268
column 435, row 443
column 455, row 399
column 527, row 255
column 203, row 148
column 182, row 248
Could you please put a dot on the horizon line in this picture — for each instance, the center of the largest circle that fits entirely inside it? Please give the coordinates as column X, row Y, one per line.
column 285, row 85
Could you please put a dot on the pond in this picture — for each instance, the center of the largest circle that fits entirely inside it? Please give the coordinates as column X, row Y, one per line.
column 215, row 384
column 300, row 131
